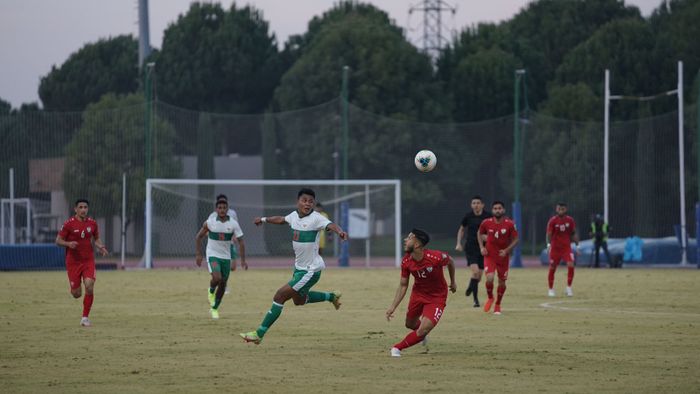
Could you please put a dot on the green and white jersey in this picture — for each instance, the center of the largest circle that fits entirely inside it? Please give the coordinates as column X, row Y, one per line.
column 231, row 213
column 305, row 235
column 220, row 234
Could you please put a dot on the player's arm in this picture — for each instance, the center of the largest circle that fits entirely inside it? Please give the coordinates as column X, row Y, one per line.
column 451, row 271
column 269, row 219
column 336, row 229
column 400, row 293
column 241, row 251
column 509, row 248
column 575, row 238
column 198, row 243
column 100, row 246
column 480, row 239
column 62, row 242
column 548, row 234
column 460, row 235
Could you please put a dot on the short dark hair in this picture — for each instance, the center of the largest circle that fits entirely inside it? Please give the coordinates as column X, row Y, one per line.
column 561, row 204
column 421, row 235
column 498, row 202
column 78, row 201
column 306, row 191
column 221, row 197
column 477, row 197
column 221, row 201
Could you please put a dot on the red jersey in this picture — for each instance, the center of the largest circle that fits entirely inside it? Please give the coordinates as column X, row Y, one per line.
column 560, row 230
column 429, row 285
column 499, row 235
column 82, row 232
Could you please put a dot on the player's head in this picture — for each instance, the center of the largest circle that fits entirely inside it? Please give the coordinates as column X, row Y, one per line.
column 81, row 207
column 561, row 208
column 477, row 204
column 306, row 200
column 416, row 239
column 221, row 207
column 221, row 197
column 498, row 209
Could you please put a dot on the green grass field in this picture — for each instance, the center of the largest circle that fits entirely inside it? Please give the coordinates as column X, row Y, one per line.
column 632, row 330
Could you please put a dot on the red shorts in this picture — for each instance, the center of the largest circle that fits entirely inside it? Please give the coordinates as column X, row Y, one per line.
column 78, row 271
column 500, row 265
column 431, row 311
column 557, row 256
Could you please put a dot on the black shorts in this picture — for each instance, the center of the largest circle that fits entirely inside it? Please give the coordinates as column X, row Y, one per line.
column 475, row 258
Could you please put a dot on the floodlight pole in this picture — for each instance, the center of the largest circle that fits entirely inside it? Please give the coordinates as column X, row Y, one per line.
column 517, row 164
column 147, row 90
column 697, row 204
column 344, row 259
column 681, row 164
column 606, row 148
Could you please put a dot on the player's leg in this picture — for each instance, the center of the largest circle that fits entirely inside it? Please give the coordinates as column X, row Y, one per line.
column 472, row 262
column 306, row 296
column 429, row 318
column 221, row 286
column 597, row 254
column 489, row 271
column 502, row 270
column 554, row 260
column 477, row 276
column 604, row 245
column 570, row 273
column 74, row 279
column 88, row 276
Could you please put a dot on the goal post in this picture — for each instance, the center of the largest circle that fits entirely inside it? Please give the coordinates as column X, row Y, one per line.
column 370, row 211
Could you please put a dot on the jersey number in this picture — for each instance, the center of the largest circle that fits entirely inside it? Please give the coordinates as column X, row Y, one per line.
column 438, row 313
column 421, row 274
column 295, row 235
column 82, row 234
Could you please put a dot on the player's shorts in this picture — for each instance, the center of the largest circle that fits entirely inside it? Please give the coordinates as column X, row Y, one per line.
column 219, row 265
column 302, row 281
column 557, row 256
column 498, row 265
column 475, row 258
column 234, row 252
column 431, row 311
column 79, row 271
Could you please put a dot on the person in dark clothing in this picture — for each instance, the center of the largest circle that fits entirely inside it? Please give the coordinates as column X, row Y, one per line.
column 599, row 234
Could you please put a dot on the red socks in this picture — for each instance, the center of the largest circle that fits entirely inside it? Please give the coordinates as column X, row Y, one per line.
column 569, row 277
column 411, row 339
column 489, row 289
column 550, row 277
column 501, row 290
column 87, row 304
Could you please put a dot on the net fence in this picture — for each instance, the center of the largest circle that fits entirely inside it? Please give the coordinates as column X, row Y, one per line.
column 59, row 157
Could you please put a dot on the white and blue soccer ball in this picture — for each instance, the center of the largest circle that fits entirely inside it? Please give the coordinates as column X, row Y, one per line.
column 425, row 160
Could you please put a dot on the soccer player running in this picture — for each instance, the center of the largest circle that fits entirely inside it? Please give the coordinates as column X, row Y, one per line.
column 308, row 264
column 221, row 230
column 470, row 224
column 76, row 236
column 429, row 293
column 561, row 231
column 234, row 247
column 501, row 237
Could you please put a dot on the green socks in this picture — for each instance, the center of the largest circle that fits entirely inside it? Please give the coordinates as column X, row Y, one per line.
column 270, row 318
column 318, row 296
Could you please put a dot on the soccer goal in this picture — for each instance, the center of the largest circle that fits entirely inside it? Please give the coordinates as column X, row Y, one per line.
column 369, row 210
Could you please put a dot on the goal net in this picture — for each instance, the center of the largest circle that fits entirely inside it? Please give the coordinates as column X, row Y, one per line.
column 369, row 210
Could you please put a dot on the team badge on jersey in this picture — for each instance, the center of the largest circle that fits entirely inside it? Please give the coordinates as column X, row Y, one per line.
column 89, row 229
column 430, row 269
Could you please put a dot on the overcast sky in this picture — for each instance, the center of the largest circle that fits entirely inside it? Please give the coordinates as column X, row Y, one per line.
column 37, row 34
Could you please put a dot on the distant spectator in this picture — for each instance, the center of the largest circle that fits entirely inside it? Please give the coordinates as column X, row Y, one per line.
column 599, row 233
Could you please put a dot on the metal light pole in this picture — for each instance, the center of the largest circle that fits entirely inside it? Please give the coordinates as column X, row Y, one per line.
column 697, row 204
column 517, row 164
column 344, row 259
column 147, row 90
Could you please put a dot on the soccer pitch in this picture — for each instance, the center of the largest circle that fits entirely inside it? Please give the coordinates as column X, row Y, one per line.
column 630, row 330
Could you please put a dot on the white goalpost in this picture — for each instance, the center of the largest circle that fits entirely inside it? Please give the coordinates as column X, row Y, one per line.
column 369, row 210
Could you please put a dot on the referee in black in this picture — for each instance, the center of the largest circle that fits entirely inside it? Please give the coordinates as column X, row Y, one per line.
column 470, row 224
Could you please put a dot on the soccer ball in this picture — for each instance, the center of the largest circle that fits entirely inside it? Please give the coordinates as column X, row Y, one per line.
column 425, row 160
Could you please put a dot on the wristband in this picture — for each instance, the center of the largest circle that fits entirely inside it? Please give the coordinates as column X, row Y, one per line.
column 263, row 219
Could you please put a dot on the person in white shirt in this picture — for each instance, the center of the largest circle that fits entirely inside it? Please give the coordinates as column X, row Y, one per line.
column 308, row 264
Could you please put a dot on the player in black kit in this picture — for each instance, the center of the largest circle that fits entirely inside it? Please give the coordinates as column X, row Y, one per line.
column 470, row 228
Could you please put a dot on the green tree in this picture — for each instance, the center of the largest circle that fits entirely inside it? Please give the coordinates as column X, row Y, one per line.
column 109, row 143
column 107, row 66
column 217, row 60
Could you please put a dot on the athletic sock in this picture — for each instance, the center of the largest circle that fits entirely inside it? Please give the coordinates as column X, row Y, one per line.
column 500, row 291
column 475, row 289
column 217, row 302
column 570, row 276
column 270, row 317
column 411, row 339
column 87, row 304
column 212, row 290
column 550, row 277
column 489, row 289
column 318, row 296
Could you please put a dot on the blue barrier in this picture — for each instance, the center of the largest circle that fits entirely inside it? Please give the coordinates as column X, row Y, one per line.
column 32, row 257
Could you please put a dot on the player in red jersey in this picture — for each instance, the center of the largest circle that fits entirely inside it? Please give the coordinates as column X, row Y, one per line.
column 429, row 294
column 497, row 238
column 561, row 230
column 76, row 236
